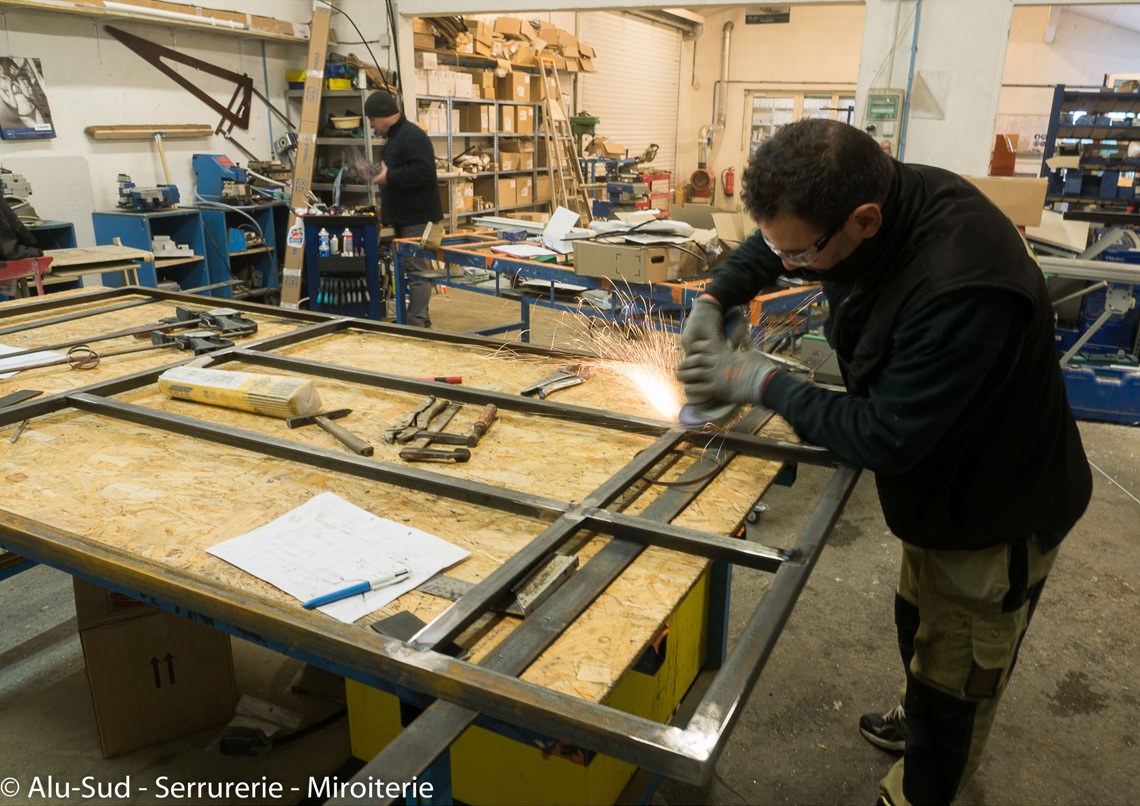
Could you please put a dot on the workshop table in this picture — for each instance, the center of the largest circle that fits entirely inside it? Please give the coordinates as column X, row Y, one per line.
column 659, row 305
column 117, row 484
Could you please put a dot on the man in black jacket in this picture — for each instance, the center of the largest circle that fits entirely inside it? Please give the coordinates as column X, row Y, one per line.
column 409, row 192
column 944, row 334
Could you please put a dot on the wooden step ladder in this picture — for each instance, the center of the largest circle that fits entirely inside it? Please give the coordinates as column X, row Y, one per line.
column 566, row 183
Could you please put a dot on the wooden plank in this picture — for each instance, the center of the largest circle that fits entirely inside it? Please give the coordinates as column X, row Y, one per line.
column 170, row 131
column 306, row 156
column 94, row 255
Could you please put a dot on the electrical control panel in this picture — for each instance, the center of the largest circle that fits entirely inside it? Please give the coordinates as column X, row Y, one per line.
column 883, row 118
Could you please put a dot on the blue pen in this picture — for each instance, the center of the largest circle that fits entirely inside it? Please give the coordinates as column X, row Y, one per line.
column 356, row 588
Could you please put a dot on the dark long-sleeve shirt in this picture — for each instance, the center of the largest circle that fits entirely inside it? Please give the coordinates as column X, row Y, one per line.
column 955, row 398
column 411, row 195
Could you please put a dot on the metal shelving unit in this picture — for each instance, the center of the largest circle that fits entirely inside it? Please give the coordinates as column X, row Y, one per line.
column 367, row 144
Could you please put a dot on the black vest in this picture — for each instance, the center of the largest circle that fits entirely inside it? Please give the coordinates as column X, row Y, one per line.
column 1013, row 465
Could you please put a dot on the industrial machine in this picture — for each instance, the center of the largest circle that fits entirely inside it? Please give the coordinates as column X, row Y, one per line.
column 220, row 179
column 158, row 197
column 702, row 184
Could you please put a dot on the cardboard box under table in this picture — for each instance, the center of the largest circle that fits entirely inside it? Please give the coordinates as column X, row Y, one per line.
column 141, row 485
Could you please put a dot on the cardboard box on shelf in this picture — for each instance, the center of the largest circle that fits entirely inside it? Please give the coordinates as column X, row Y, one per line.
column 423, row 41
column 568, row 43
column 481, row 34
column 542, row 188
column 510, row 27
column 521, row 146
column 513, row 87
column 154, row 676
column 573, row 64
column 485, row 81
column 587, row 64
column 427, row 61
column 421, row 82
column 524, row 119
column 441, row 83
column 458, row 195
column 508, row 161
column 586, row 50
column 464, row 85
column 633, row 263
column 507, row 119
column 604, row 147
column 524, row 56
column 476, row 118
column 536, row 92
column 524, row 190
column 1022, row 199
column 485, row 186
column 421, row 26
column 549, row 32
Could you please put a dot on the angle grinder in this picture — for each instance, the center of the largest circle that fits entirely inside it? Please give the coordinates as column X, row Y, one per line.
column 699, row 413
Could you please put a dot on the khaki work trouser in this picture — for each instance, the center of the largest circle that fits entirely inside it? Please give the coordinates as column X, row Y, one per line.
column 961, row 616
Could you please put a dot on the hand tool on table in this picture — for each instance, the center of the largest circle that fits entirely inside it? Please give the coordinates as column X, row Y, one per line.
column 227, row 321
column 478, row 429
column 562, row 378
column 83, row 357
column 325, row 420
column 407, row 421
column 423, row 418
column 418, row 449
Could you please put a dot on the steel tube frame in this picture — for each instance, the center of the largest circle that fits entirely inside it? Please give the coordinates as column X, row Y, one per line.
column 492, row 689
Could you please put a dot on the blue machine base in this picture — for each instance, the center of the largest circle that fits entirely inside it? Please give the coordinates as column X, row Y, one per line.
column 1111, row 396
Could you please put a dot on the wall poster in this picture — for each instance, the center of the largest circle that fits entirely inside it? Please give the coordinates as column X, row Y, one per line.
column 24, row 112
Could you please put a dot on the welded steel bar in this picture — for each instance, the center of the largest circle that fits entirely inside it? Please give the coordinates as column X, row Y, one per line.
column 465, row 394
column 721, row 704
column 473, row 604
column 763, row 447
column 691, row 541
column 424, row 740
column 414, row 478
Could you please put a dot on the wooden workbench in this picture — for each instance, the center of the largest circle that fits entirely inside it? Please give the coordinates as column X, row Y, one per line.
column 157, row 500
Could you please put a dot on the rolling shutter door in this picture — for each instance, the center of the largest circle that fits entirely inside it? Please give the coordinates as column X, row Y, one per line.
column 635, row 90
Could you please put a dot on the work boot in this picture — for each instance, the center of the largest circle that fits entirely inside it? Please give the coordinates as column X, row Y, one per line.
column 887, row 731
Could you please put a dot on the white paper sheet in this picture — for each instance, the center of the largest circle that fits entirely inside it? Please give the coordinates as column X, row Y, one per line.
column 523, row 250
column 327, row 543
column 9, row 366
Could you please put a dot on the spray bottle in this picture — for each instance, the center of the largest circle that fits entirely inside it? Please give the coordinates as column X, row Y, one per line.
column 323, row 242
column 346, row 241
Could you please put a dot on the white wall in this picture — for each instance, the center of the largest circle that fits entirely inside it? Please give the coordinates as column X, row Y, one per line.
column 1081, row 52
column 92, row 79
column 818, row 48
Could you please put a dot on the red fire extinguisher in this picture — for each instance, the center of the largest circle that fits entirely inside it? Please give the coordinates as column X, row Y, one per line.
column 728, row 181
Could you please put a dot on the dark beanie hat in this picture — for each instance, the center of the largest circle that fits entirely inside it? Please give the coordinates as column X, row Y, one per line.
column 381, row 105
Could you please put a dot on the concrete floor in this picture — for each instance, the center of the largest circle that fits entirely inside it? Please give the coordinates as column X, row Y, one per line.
column 1067, row 731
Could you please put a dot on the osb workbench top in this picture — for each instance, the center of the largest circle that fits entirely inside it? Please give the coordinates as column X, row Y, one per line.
column 167, row 497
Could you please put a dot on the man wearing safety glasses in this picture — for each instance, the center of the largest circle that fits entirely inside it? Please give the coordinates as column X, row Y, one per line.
column 954, row 398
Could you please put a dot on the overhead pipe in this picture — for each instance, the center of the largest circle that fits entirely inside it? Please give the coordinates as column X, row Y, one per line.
column 705, row 135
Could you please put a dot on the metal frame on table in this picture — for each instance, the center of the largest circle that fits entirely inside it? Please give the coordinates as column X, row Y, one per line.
column 661, row 305
column 687, row 751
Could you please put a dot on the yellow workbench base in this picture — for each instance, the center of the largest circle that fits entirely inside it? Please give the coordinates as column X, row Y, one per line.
column 487, row 768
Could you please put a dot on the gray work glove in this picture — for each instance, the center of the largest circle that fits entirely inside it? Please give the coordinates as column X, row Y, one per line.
column 725, row 375
column 705, row 323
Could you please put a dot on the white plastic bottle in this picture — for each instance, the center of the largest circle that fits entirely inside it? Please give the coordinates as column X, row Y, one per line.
column 334, row 245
